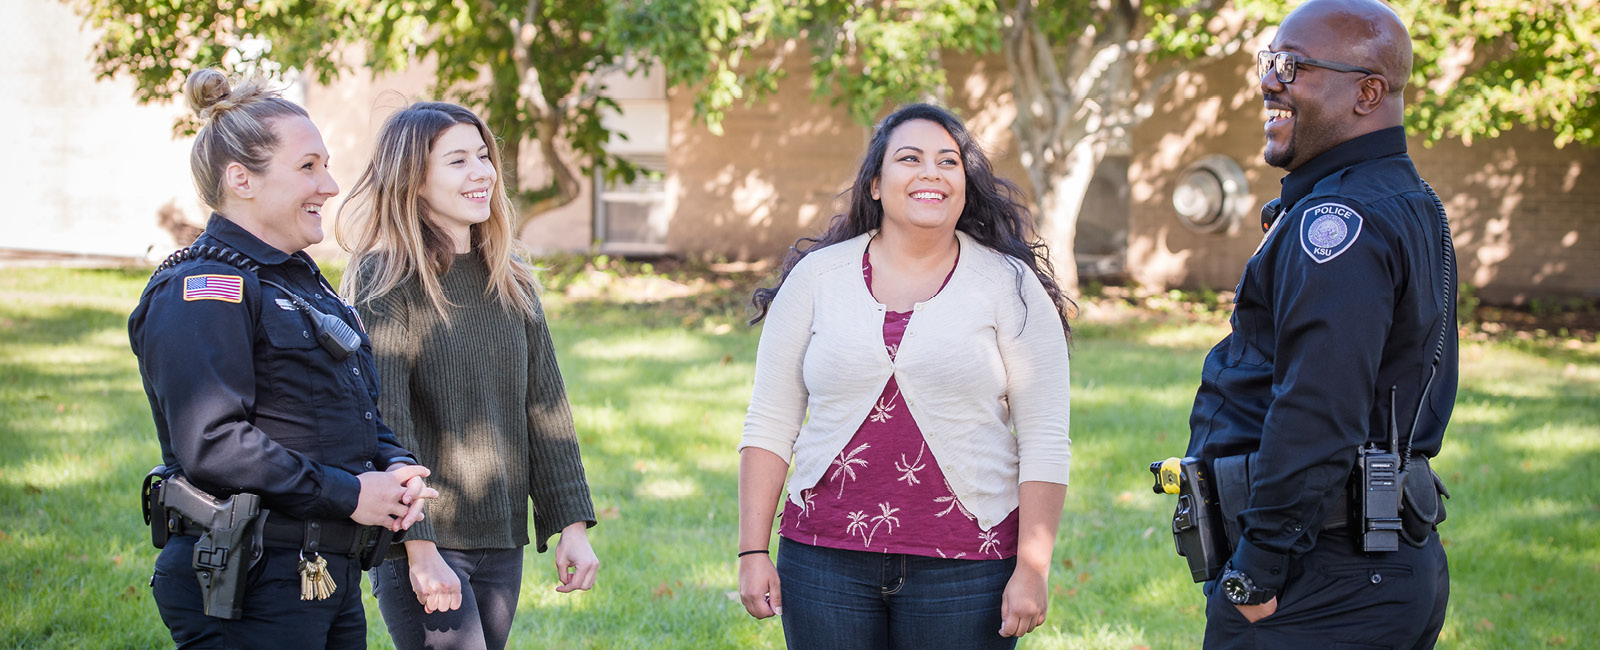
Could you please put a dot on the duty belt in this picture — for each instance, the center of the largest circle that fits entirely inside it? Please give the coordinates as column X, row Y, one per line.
column 1233, row 486
column 280, row 531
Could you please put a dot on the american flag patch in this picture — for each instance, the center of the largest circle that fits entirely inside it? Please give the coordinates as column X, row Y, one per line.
column 227, row 288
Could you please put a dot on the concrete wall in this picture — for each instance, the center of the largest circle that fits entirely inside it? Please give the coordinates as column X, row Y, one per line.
column 1523, row 212
column 87, row 169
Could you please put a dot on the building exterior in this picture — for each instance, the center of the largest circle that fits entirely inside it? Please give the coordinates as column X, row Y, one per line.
column 103, row 172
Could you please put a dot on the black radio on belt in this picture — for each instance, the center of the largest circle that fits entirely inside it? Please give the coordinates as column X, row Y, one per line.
column 1376, row 491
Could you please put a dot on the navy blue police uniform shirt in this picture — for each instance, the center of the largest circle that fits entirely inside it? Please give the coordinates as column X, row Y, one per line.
column 1343, row 300
column 244, row 397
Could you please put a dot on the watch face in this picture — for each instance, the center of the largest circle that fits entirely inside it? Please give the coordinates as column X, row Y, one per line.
column 1235, row 589
column 1236, row 586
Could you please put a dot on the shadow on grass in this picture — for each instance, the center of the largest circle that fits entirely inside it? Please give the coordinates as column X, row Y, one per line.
column 57, row 325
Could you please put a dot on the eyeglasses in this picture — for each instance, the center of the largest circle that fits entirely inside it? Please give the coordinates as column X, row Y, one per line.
column 1285, row 64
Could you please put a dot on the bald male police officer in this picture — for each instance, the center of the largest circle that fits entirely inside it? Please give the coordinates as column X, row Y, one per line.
column 1342, row 357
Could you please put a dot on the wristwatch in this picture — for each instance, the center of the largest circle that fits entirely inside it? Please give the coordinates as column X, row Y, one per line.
column 1241, row 591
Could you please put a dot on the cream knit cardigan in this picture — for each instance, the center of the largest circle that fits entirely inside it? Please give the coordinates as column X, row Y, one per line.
column 983, row 371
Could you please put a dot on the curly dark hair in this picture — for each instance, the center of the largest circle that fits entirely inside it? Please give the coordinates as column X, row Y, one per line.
column 995, row 214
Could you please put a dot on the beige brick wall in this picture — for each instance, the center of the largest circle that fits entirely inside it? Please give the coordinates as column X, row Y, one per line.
column 1523, row 212
column 774, row 174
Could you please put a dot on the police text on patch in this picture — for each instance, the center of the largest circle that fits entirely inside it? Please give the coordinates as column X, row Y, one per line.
column 1328, row 229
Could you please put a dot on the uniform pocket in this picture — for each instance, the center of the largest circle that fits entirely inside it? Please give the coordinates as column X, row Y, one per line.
column 286, row 357
column 1371, row 573
column 286, row 329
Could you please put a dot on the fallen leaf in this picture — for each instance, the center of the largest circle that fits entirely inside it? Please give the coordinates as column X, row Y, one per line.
column 727, row 359
column 732, row 595
column 1125, row 497
column 1066, row 563
column 1083, row 577
column 1140, row 647
column 117, row 560
column 610, row 512
column 1483, row 625
column 4, row 536
column 663, row 590
column 1148, row 532
column 1072, row 592
column 1556, row 640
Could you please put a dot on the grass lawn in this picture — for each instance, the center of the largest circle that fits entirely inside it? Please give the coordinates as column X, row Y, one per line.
column 659, row 391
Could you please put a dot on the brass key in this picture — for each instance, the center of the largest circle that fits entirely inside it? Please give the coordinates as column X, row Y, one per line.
column 315, row 583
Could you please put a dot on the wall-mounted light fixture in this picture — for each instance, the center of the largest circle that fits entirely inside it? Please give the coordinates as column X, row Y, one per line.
column 1212, row 195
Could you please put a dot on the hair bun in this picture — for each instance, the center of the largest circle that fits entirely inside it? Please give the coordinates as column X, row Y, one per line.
column 207, row 91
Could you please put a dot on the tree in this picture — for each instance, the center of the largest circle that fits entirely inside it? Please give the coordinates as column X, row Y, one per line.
column 532, row 67
column 1481, row 66
column 1071, row 64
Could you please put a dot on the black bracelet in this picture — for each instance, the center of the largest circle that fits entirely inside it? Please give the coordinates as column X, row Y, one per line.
column 759, row 550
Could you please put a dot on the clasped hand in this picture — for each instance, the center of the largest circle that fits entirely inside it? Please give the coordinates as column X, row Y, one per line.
column 393, row 498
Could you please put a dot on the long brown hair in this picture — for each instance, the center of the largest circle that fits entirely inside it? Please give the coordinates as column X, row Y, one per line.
column 995, row 215
column 389, row 236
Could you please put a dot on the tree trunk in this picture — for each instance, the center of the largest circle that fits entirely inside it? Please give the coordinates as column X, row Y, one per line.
column 548, row 116
column 564, row 186
column 1060, row 202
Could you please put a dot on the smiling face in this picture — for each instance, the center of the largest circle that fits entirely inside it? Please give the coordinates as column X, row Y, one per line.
column 1311, row 115
column 921, row 183
column 282, row 205
column 459, row 184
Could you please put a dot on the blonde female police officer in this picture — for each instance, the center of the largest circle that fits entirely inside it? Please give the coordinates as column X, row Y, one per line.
column 245, row 396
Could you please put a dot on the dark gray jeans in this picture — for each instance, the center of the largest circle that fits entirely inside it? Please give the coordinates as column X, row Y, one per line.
column 491, row 581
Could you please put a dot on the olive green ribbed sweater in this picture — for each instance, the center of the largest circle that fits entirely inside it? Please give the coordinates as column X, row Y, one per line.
column 480, row 401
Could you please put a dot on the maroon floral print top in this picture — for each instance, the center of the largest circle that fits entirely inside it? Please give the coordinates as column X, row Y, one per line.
column 885, row 492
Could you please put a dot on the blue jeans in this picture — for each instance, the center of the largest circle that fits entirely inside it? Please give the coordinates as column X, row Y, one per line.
column 274, row 616
column 839, row 600
column 491, row 581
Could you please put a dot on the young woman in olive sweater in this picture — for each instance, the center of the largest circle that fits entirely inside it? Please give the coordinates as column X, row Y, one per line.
column 470, row 381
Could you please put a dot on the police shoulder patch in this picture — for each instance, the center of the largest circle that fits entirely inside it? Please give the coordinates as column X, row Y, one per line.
column 1328, row 229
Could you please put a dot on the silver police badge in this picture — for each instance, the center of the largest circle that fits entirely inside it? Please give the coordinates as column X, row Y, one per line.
column 1328, row 229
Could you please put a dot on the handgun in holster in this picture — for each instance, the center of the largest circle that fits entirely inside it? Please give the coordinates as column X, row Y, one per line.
column 230, row 541
column 1196, row 529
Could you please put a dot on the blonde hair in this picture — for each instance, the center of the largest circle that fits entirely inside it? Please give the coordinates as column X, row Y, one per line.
column 389, row 236
column 236, row 127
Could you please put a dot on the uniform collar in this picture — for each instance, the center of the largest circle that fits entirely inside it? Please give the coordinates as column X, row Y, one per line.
column 237, row 238
column 1378, row 144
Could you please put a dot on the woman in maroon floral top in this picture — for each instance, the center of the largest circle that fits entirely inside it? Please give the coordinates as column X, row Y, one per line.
column 913, row 365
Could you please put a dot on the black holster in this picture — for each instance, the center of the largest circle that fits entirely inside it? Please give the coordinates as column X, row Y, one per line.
column 229, row 541
column 1196, row 534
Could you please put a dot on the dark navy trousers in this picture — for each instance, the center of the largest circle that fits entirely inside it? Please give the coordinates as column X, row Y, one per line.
column 1338, row 598
column 274, row 615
